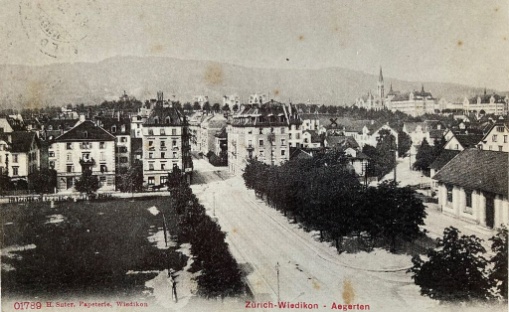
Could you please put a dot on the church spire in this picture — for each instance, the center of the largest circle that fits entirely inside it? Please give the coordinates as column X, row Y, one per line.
column 422, row 88
column 380, row 89
column 381, row 76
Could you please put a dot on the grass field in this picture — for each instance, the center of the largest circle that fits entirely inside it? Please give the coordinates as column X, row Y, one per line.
column 83, row 248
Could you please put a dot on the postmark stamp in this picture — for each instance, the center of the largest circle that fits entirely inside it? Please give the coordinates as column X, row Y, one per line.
column 57, row 27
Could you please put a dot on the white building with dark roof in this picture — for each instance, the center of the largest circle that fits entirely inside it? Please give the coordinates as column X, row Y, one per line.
column 87, row 146
column 473, row 186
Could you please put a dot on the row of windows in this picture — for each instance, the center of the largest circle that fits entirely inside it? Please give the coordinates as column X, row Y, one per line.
column 162, row 143
column 262, row 153
column 162, row 131
column 468, row 198
column 85, row 145
column 494, row 138
column 163, row 155
column 261, row 142
column 70, row 168
column 163, row 166
column 267, row 130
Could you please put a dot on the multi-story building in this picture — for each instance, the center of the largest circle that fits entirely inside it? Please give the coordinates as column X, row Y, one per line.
column 165, row 141
column 487, row 104
column 413, row 103
column 231, row 100
column 20, row 154
column 210, row 125
column 497, row 138
column 259, row 131
column 87, row 146
column 374, row 102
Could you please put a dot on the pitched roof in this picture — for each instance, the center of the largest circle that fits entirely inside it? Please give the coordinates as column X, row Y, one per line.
column 162, row 115
column 469, row 140
column 20, row 141
column 477, row 170
column 315, row 137
column 108, row 122
column 442, row 159
column 86, row 131
column 300, row 154
column 341, row 140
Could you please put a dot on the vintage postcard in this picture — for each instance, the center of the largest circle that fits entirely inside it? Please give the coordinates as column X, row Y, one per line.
column 225, row 155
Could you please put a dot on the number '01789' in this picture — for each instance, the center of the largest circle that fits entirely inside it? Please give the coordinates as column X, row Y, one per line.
column 27, row 305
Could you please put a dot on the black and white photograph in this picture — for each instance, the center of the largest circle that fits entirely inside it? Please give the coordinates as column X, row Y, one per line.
column 267, row 155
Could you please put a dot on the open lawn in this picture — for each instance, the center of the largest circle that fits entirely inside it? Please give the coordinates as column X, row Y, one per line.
column 84, row 248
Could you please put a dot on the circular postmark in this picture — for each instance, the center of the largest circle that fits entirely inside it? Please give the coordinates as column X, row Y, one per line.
column 56, row 27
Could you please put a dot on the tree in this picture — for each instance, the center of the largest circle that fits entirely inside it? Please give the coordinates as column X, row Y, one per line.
column 226, row 108
column 132, row 180
column 404, row 143
column 5, row 183
column 235, row 107
column 196, row 106
column 43, row 181
column 396, row 213
column 188, row 107
column 216, row 107
column 498, row 274
column 175, row 177
column 424, row 157
column 206, row 107
column 455, row 270
column 87, row 183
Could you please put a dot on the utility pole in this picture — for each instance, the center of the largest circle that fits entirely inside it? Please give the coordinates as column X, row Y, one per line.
column 277, row 274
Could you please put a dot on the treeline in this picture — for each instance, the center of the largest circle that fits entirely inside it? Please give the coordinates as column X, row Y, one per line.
column 220, row 274
column 324, row 195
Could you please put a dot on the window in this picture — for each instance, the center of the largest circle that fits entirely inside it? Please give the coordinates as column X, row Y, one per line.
column 151, row 166
column 70, row 169
column 457, row 146
column 449, row 193
column 103, row 168
column 85, row 156
column 505, row 138
column 69, row 157
column 167, row 120
column 102, row 145
column 283, row 141
column 290, row 136
column 151, row 180
column 174, row 154
column 15, row 171
column 102, row 156
column 163, row 143
column 297, row 136
column 261, row 130
column 262, row 153
column 283, row 152
column 500, row 148
column 113, row 129
column 52, row 164
column 468, row 198
column 163, row 166
column 150, row 143
column 282, row 130
column 500, row 128
column 163, row 154
column 173, row 131
column 261, row 142
column 123, row 139
column 161, row 131
column 150, row 132
column 150, row 155
column 69, row 146
column 15, row 158
column 164, row 179
column 102, row 179
column 494, row 138
column 124, row 160
column 174, row 143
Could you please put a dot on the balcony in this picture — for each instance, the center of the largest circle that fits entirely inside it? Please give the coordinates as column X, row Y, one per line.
column 87, row 161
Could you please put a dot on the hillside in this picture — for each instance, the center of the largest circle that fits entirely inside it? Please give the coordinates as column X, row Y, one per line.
column 59, row 84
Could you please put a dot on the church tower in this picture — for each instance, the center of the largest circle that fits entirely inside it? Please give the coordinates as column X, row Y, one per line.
column 381, row 92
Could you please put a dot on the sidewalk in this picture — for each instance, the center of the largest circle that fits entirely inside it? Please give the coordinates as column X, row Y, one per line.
column 436, row 222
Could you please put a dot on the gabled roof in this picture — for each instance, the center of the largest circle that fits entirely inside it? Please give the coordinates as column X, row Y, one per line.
column 86, row 131
column 20, row 141
column 165, row 115
column 300, row 154
column 107, row 124
column 477, row 170
column 442, row 159
column 469, row 140
column 341, row 140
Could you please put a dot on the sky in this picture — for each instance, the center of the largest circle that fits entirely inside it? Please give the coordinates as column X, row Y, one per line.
column 428, row 40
